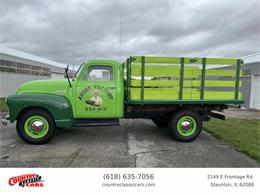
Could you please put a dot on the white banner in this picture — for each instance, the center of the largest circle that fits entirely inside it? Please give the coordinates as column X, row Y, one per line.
column 129, row 181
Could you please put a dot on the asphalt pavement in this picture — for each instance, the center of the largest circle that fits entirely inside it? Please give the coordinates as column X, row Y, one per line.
column 135, row 143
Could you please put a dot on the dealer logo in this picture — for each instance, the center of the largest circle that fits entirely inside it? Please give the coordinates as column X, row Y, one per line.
column 28, row 180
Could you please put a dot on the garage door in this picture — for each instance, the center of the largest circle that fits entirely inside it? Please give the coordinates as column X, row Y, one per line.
column 256, row 100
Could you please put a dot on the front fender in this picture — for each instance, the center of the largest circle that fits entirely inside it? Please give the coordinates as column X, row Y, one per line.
column 58, row 106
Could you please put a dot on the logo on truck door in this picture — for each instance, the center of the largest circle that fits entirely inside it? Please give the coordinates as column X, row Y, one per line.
column 91, row 95
column 95, row 100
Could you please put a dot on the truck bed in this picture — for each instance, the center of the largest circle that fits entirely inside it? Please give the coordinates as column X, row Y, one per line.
column 173, row 80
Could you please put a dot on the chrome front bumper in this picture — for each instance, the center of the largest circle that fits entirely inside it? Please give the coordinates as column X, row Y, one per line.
column 5, row 119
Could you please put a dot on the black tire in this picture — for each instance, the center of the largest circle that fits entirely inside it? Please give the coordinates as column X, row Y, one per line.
column 193, row 130
column 31, row 140
column 160, row 121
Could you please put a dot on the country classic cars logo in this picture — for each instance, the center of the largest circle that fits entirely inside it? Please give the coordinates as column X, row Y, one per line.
column 28, row 180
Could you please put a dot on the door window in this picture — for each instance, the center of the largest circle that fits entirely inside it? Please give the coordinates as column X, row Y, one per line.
column 99, row 73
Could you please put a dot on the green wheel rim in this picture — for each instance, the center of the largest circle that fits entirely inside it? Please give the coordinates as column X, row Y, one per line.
column 32, row 131
column 186, row 126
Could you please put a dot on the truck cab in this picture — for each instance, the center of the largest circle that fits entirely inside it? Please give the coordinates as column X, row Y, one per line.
column 98, row 90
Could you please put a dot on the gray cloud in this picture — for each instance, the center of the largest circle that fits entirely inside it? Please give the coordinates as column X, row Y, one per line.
column 59, row 30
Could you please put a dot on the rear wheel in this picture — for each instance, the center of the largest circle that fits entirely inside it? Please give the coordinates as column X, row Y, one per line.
column 35, row 127
column 185, row 126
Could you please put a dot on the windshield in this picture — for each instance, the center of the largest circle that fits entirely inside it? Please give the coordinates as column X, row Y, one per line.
column 79, row 71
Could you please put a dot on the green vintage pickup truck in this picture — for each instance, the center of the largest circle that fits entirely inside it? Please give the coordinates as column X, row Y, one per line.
column 174, row 92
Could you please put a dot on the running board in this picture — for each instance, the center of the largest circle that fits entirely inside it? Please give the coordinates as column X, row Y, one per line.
column 216, row 115
column 95, row 122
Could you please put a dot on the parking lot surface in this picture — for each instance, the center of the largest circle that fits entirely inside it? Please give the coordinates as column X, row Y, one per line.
column 135, row 143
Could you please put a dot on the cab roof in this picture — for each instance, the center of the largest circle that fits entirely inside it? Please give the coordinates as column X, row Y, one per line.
column 103, row 61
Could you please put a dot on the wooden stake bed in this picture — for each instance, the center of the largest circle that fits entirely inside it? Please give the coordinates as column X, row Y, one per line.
column 173, row 80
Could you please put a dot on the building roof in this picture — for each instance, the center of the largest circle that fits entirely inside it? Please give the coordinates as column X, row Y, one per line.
column 255, row 57
column 27, row 56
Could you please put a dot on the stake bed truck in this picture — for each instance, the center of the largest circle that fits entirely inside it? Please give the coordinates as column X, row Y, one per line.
column 174, row 92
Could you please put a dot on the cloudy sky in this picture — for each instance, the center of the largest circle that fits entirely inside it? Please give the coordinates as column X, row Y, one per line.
column 83, row 29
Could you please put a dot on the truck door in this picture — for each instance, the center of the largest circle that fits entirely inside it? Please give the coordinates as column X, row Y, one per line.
column 96, row 93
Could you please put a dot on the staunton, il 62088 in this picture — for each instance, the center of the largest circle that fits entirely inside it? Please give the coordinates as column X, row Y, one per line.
column 177, row 93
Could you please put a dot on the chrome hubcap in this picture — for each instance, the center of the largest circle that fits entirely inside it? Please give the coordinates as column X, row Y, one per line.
column 186, row 125
column 37, row 125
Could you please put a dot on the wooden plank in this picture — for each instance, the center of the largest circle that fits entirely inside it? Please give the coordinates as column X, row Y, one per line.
column 193, row 60
column 165, row 71
column 174, row 71
column 186, row 83
column 220, row 72
column 160, row 83
column 176, row 60
column 151, row 59
column 161, row 94
column 215, row 83
column 221, row 61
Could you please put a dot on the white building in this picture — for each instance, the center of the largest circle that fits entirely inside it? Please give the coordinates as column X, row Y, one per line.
column 251, row 81
column 17, row 67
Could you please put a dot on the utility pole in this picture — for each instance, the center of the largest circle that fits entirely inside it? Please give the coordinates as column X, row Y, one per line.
column 73, row 64
column 120, row 38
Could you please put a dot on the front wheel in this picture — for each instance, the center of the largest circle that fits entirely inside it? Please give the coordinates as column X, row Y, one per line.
column 35, row 127
column 185, row 126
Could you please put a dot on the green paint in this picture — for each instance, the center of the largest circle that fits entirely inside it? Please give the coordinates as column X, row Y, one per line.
column 55, row 87
column 59, row 106
column 33, row 133
column 190, row 129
